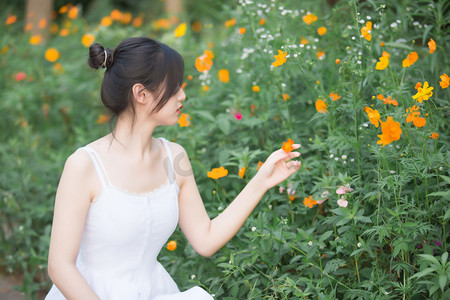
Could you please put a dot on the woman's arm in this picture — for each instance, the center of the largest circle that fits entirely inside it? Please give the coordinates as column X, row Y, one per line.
column 208, row 236
column 71, row 208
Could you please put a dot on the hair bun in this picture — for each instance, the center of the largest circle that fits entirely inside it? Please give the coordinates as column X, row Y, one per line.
column 99, row 57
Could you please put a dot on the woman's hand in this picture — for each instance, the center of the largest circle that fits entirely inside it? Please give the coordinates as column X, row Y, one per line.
column 277, row 167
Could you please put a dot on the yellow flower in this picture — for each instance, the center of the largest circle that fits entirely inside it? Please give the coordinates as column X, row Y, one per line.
column 217, row 173
column 35, row 39
column 445, row 81
column 309, row 18
column 180, row 30
column 255, row 88
column 183, row 120
column 366, row 30
column 280, row 58
column 87, row 39
column 241, row 172
column 106, row 21
column 224, row 75
column 321, row 106
column 322, row 30
column 383, row 63
column 423, row 93
column 374, row 115
column 51, row 54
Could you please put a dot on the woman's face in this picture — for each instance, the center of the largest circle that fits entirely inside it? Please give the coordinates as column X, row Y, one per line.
column 168, row 115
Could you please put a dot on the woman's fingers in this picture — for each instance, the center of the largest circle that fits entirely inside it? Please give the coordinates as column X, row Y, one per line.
column 294, row 164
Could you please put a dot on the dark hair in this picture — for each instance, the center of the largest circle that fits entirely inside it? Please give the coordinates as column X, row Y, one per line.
column 143, row 60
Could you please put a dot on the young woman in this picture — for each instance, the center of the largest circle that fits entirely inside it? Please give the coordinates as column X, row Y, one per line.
column 121, row 197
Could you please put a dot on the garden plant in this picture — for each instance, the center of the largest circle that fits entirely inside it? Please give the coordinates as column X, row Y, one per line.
column 361, row 85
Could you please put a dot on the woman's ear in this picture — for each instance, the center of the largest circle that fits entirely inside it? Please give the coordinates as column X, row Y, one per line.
column 140, row 93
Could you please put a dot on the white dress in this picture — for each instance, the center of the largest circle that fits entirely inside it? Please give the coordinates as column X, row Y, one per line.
column 123, row 235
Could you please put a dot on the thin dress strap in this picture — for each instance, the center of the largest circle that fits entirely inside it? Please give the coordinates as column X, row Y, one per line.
column 168, row 164
column 101, row 171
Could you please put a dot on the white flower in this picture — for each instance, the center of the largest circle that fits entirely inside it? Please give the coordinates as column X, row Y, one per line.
column 359, row 245
column 344, row 156
column 352, row 159
column 253, row 228
column 392, row 171
column 441, row 168
column 331, row 155
column 192, row 276
column 310, row 243
column 336, row 158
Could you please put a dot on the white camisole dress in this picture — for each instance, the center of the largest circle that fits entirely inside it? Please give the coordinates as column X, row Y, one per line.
column 123, row 235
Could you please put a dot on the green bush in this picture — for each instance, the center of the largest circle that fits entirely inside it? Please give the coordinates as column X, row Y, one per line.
column 389, row 242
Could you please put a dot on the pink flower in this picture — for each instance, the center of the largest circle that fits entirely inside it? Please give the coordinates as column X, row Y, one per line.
column 237, row 114
column 281, row 189
column 340, row 190
column 342, row 202
column 20, row 76
column 324, row 196
column 343, row 189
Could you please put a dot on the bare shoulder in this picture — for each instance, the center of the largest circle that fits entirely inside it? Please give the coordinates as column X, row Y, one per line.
column 79, row 162
column 176, row 149
column 181, row 164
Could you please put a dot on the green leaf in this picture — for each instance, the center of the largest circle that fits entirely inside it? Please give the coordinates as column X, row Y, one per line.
column 442, row 281
column 326, row 235
column 430, row 258
column 423, row 273
column 444, row 258
column 446, row 178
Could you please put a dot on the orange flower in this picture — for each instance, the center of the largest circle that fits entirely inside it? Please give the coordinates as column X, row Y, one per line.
column 64, row 32
column 230, row 23
column 432, row 45
column 382, row 44
column 28, row 27
column 419, row 122
column 391, row 132
column 137, row 22
column 241, row 172
column 87, row 39
column 183, row 120
column 42, row 23
column 196, row 26
column 116, row 15
column 383, row 63
column 11, row 19
column 410, row 60
column 162, row 23
column 434, row 136
column 180, row 30
column 373, row 114
column 205, row 88
column 262, row 22
column 106, row 21
column 321, row 106
column 418, row 85
column 321, row 55
column 285, row 97
column 423, row 93
column 35, row 39
column 73, row 12
column 217, row 173
column 388, row 100
column 126, row 18
column 189, row 77
column 51, row 54
column 259, row 165
column 385, row 54
column 322, row 30
column 204, row 62
column 309, row 18
column 171, row 246
column 338, row 61
column 280, row 58
column 309, row 202
column 255, row 88
column 224, row 75
column 183, row 85
column 412, row 113
column 242, row 30
column 287, row 146
column 334, row 96
column 445, row 81
column 4, row 49
column 304, row 41
column 102, row 119
column 366, row 30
